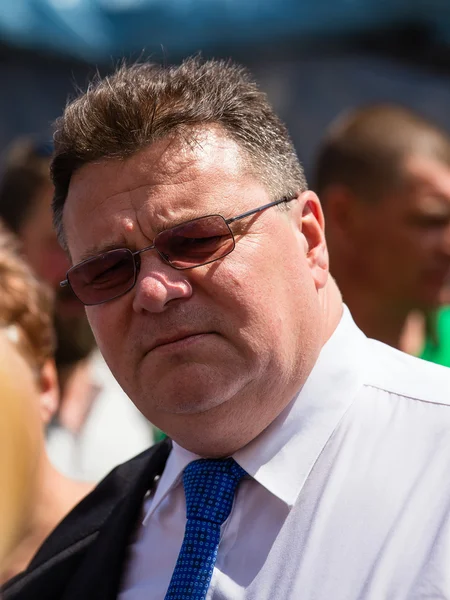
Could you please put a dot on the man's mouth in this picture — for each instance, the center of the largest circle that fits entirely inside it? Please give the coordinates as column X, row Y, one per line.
column 179, row 340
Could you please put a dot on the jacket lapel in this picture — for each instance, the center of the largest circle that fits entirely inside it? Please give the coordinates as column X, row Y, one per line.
column 84, row 556
column 101, row 572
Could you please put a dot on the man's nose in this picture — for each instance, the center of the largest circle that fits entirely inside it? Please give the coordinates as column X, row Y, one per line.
column 158, row 284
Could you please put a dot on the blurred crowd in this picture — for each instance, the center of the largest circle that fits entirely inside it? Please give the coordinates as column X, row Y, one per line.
column 383, row 176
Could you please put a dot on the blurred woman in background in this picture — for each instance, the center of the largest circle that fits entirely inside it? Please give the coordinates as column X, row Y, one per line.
column 18, row 446
column 26, row 323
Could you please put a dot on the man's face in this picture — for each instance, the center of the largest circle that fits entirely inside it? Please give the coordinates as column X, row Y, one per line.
column 229, row 342
column 406, row 237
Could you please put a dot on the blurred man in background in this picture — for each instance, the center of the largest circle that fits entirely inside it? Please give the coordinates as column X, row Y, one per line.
column 26, row 321
column 97, row 427
column 383, row 176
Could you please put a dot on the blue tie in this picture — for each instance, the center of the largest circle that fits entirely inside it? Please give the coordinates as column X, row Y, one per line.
column 209, row 487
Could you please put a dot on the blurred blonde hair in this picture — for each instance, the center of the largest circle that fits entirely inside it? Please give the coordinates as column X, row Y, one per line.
column 18, row 447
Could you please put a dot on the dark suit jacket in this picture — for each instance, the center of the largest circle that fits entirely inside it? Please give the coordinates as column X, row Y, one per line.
column 83, row 558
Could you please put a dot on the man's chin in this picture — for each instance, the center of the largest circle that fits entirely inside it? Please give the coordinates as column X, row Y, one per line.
column 195, row 400
column 195, row 385
column 434, row 292
column 433, row 301
column 192, row 404
column 443, row 298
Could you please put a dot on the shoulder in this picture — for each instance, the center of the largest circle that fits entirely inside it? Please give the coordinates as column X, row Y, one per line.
column 404, row 375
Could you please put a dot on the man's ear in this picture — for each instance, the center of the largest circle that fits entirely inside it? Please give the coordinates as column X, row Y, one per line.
column 313, row 230
column 48, row 391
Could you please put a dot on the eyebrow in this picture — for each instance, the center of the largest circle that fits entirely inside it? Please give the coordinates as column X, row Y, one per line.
column 96, row 250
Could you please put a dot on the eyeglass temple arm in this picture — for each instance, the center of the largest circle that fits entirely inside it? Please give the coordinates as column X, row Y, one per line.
column 64, row 283
column 257, row 210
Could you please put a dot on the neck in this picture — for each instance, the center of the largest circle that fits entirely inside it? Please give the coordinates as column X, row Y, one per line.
column 331, row 302
column 55, row 495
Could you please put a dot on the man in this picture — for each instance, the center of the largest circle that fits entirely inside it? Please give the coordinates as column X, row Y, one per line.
column 97, row 426
column 307, row 461
column 383, row 176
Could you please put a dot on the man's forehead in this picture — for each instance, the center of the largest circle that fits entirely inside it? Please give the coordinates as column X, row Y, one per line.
column 426, row 171
column 168, row 171
column 171, row 160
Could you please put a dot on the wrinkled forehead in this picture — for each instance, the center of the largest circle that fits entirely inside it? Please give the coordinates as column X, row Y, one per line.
column 175, row 173
column 171, row 160
column 196, row 151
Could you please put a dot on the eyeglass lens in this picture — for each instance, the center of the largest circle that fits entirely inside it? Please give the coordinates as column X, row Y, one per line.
column 185, row 246
column 196, row 242
column 103, row 277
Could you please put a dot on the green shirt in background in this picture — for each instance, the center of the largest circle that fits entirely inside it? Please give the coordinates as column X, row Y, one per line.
column 437, row 346
column 158, row 435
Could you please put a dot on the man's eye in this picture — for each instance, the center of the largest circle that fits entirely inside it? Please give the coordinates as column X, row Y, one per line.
column 203, row 241
column 106, row 275
column 201, row 244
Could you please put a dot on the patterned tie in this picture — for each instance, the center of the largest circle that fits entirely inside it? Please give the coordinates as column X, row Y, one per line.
column 209, row 486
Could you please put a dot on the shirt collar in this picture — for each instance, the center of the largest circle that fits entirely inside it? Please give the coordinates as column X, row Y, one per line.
column 282, row 456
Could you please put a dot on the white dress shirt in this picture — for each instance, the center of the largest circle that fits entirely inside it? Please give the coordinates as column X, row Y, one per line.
column 348, row 496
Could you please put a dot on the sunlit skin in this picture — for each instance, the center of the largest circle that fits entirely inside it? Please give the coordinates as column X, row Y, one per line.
column 19, row 445
column 52, row 494
column 392, row 256
column 244, row 331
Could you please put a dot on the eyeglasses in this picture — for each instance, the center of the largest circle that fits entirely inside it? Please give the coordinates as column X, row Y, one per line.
column 191, row 244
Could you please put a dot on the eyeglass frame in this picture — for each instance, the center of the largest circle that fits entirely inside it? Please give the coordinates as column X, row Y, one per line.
column 248, row 213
